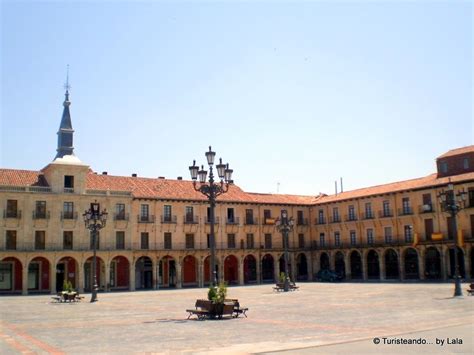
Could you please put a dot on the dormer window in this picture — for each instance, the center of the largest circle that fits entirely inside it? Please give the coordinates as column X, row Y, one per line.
column 68, row 181
column 443, row 166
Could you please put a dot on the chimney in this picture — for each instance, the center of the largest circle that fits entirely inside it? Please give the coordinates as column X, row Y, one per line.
column 134, row 175
column 104, row 173
column 161, row 177
column 180, row 178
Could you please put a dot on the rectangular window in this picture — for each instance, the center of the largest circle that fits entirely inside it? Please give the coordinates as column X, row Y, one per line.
column 144, row 212
column 67, row 240
column 428, row 228
column 189, row 241
column 189, row 214
column 250, row 244
column 427, row 206
column 40, row 210
column 248, row 216
column 388, row 234
column 268, row 241
column 167, row 241
column 40, row 240
column 322, row 240
column 10, row 242
column 231, row 240
column 353, row 237
column 68, row 210
column 301, row 240
column 12, row 209
column 120, row 240
column 167, row 213
column 470, row 197
column 386, row 209
column 267, row 214
column 68, row 181
column 144, row 240
column 408, row 233
column 352, row 216
column 120, row 211
column 406, row 209
column 209, row 241
column 370, row 236
column 321, row 217
column 335, row 214
column 368, row 210
column 230, row 216
column 337, row 239
column 300, row 218
column 444, row 167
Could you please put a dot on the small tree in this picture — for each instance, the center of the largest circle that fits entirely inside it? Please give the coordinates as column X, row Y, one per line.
column 67, row 286
column 217, row 294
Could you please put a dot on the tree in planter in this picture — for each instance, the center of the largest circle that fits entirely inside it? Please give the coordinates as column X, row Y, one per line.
column 67, row 286
column 217, row 295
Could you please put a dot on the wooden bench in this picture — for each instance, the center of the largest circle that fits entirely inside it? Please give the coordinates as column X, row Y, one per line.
column 201, row 309
column 281, row 287
column 238, row 310
column 470, row 290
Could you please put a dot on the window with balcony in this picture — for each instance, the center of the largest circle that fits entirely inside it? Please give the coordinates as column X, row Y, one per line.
column 10, row 242
column 68, row 210
column 189, row 241
column 67, row 240
column 144, row 240
column 230, row 216
column 120, row 240
column 167, row 214
column 120, row 211
column 40, row 210
column 406, row 208
column 231, row 240
column 167, row 240
column 429, row 228
column 352, row 216
column 189, row 214
column 353, row 237
column 250, row 241
column 368, row 210
column 301, row 240
column 370, row 236
column 268, row 241
column 388, row 234
column 337, row 239
column 300, row 218
column 12, row 209
column 322, row 240
column 321, row 219
column 408, row 229
column 144, row 212
column 249, row 216
column 386, row 212
column 40, row 240
column 335, row 215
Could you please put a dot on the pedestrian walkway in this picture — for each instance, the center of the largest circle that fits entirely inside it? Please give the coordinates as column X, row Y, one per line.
column 349, row 315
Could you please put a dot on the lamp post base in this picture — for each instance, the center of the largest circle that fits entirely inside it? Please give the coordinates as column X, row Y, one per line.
column 457, row 286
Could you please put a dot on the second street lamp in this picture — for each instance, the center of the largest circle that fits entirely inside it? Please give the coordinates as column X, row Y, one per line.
column 211, row 190
column 285, row 226
column 453, row 203
column 94, row 221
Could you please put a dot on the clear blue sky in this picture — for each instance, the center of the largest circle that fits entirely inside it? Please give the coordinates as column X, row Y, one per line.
column 297, row 93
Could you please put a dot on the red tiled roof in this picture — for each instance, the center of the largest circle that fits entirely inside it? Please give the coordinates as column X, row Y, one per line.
column 457, row 151
column 13, row 177
column 424, row 182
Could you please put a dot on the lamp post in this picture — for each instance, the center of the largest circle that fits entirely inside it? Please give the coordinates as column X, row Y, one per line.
column 452, row 204
column 94, row 220
column 285, row 225
column 211, row 190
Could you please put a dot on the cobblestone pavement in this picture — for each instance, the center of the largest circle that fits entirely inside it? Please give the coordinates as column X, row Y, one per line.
column 304, row 321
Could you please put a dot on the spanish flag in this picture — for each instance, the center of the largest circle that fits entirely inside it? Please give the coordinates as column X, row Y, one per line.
column 437, row 236
column 460, row 238
column 415, row 239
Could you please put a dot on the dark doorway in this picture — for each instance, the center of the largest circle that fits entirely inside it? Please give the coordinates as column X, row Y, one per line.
column 391, row 265
column 411, row 264
column 373, row 266
column 432, row 264
column 340, row 265
column 60, row 270
column 462, row 270
column 324, row 261
column 356, row 265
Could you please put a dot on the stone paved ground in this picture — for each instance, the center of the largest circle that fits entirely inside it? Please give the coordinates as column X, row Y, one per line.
column 305, row 321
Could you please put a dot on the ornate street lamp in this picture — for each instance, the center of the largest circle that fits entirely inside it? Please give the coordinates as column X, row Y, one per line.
column 452, row 204
column 211, row 190
column 94, row 220
column 285, row 225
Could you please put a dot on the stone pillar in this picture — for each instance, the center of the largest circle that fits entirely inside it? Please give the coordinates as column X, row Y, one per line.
column 309, row 266
column 179, row 279
column 80, row 277
column 347, row 265
column 316, row 265
column 132, row 275
column 364, row 266
column 421, row 263
column 276, row 269
column 241, row 271
column 381, row 265
column 107, row 277
column 24, row 279
column 259, row 269
column 332, row 260
column 52, row 279
column 201, row 272
column 467, row 268
column 401, row 265
column 154, row 273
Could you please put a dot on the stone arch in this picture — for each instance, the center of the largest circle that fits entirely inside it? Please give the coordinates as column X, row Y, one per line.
column 250, row 269
column 410, row 260
column 166, row 271
column 356, row 265
column 373, row 266
column 268, row 268
column 231, row 270
column 67, row 269
column 340, row 264
column 119, row 273
column 391, row 265
column 324, row 261
column 432, row 264
column 207, row 267
column 88, row 275
column 189, row 271
column 11, row 269
column 301, row 267
column 38, row 275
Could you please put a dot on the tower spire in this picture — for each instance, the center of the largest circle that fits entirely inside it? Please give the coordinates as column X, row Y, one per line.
column 65, row 132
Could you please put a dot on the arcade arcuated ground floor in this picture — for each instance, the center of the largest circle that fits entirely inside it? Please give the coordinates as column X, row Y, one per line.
column 45, row 272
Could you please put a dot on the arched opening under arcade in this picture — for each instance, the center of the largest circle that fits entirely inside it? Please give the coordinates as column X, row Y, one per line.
column 282, row 266
column 250, row 269
column 38, row 275
column 340, row 265
column 391, row 265
column 66, row 270
column 166, row 272
column 356, row 265
column 411, row 264
column 452, row 268
column 373, row 266
column 301, row 267
column 189, row 271
column 268, row 271
column 324, row 261
column 12, row 278
column 119, row 273
column 231, row 270
column 207, row 269
column 432, row 264
column 88, row 275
